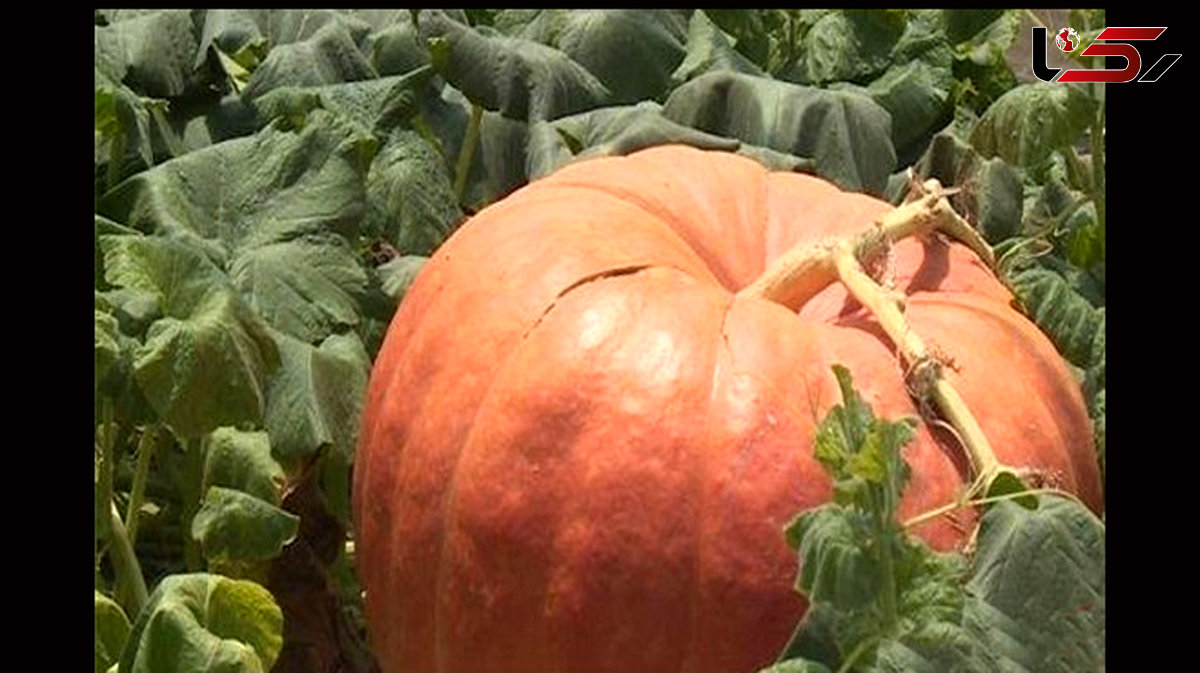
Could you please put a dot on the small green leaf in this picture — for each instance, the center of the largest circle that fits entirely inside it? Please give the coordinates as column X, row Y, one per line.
column 316, row 398
column 242, row 460
column 236, row 526
column 1006, row 482
column 398, row 274
column 108, row 350
column 202, row 623
column 112, row 629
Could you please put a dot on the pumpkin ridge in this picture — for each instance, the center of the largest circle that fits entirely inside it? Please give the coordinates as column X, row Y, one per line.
column 702, row 474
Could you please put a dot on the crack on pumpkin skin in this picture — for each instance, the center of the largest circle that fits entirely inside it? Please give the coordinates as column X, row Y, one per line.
column 591, row 278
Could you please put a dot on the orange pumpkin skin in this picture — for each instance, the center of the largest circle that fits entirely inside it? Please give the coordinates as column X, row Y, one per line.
column 579, row 448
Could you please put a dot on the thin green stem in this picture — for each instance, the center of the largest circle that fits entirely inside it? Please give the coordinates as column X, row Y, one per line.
column 107, row 431
column 466, row 154
column 174, row 146
column 140, row 476
column 956, row 505
column 857, row 652
column 116, row 156
column 131, row 586
column 193, row 482
column 888, row 599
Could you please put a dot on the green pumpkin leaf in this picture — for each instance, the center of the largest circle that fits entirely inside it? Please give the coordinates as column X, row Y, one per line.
column 108, row 349
column 612, row 131
column 1070, row 320
column 374, row 106
column 397, row 48
column 410, row 201
column 1025, row 125
column 1038, row 586
column 519, row 78
column 271, row 210
column 205, row 363
column 153, row 52
column 847, row 134
column 327, row 55
column 632, row 52
column 316, row 397
column 709, row 48
column 850, row 45
column 112, row 629
column 202, row 623
column 398, row 274
column 235, row 526
column 242, row 460
column 122, row 124
column 917, row 96
column 309, row 286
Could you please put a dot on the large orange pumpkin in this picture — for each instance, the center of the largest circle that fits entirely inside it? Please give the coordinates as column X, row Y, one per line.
column 579, row 448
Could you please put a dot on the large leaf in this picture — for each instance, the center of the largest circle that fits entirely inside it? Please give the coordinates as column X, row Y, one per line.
column 122, row 124
column 519, row 78
column 1075, row 326
column 328, row 55
column 153, row 52
column 633, row 52
column 1039, row 582
column 206, row 362
column 846, row 133
column 309, row 287
column 1028, row 123
column 708, row 49
column 410, row 202
column 917, row 95
column 202, row 623
column 242, row 460
column 236, row 526
column 881, row 601
column 112, row 629
column 850, row 45
column 265, row 209
column 316, row 398
column 374, row 106
column 611, row 131
column 397, row 48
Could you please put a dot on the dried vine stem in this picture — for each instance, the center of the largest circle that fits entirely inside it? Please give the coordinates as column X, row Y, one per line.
column 802, row 272
column 925, row 370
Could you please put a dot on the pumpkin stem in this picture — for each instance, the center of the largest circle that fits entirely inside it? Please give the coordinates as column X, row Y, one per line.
column 924, row 369
column 801, row 273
